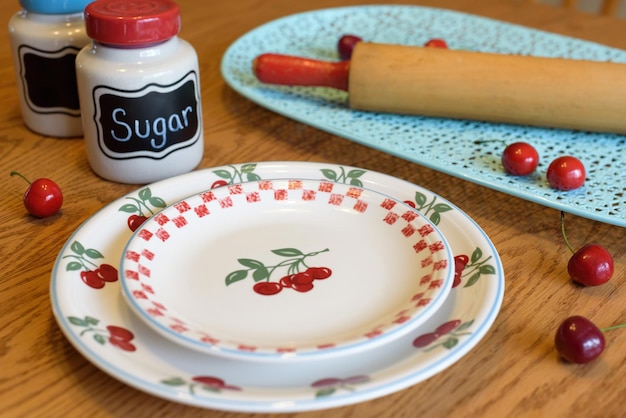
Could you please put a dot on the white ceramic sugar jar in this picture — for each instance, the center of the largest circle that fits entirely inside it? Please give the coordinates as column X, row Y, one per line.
column 139, row 91
column 45, row 37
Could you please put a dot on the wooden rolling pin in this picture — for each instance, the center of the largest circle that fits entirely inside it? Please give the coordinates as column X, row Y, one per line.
column 548, row 92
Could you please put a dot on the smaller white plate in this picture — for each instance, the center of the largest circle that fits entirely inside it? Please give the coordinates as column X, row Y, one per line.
column 287, row 269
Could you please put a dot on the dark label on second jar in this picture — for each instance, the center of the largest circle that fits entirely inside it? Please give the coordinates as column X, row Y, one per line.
column 152, row 122
column 49, row 80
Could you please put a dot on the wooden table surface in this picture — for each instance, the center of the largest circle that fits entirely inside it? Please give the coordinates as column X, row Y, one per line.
column 514, row 371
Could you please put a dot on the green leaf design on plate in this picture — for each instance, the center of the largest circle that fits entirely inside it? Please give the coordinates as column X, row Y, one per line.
column 262, row 273
column 73, row 266
column 253, row 177
column 420, row 199
column 157, row 202
column 487, row 269
column 329, row 174
column 91, row 320
column 250, row 263
column 325, row 392
column 128, row 208
column 77, row 321
column 224, row 174
column 91, row 253
column 236, row 276
column 78, row 248
column 476, row 255
column 451, row 342
column 477, row 267
column 175, row 381
column 248, row 168
column 145, row 194
column 288, row 252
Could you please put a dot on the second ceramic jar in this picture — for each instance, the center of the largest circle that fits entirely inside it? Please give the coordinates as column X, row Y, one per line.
column 45, row 37
column 139, row 91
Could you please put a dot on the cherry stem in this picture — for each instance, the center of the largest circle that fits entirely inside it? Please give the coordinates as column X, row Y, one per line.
column 613, row 327
column 15, row 173
column 563, row 232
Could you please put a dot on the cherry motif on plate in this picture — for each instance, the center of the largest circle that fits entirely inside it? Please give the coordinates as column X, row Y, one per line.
column 352, row 177
column 330, row 385
column 207, row 383
column 446, row 335
column 238, row 175
column 432, row 209
column 118, row 337
column 472, row 268
column 298, row 276
column 143, row 205
column 92, row 274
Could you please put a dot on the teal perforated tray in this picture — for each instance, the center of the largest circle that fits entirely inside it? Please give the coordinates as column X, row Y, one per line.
column 454, row 147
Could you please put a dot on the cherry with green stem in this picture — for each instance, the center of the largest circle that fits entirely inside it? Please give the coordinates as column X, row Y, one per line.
column 578, row 340
column 42, row 198
column 591, row 265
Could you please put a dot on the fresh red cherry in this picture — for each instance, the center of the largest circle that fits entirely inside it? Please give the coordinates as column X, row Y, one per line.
column 436, row 43
column 520, row 159
column 345, row 46
column 566, row 173
column 42, row 198
column 578, row 340
column 591, row 265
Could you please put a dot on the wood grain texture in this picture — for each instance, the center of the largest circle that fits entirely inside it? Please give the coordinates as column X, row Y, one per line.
column 513, row 372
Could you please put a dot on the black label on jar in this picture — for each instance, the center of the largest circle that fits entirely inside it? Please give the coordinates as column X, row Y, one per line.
column 49, row 80
column 151, row 122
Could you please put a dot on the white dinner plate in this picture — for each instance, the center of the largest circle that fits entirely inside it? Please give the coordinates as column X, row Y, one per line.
column 97, row 321
column 286, row 270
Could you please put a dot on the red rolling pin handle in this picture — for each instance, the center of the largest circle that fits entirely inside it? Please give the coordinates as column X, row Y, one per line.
column 549, row 92
column 289, row 70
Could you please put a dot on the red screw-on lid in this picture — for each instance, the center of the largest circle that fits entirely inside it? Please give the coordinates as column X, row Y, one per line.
column 132, row 23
